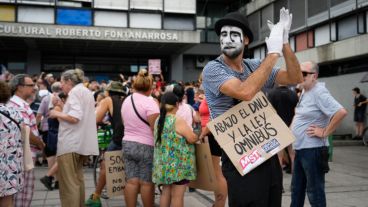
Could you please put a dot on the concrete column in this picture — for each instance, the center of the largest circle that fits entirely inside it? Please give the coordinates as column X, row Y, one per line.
column 33, row 62
column 177, row 67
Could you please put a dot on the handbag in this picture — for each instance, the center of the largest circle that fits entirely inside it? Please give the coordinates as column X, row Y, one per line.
column 27, row 153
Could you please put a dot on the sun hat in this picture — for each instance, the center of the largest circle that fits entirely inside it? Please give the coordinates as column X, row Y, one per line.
column 118, row 87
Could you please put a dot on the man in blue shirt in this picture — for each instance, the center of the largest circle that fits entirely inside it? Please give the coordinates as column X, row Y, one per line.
column 317, row 115
column 230, row 78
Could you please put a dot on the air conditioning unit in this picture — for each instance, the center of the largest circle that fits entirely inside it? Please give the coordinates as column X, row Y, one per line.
column 201, row 61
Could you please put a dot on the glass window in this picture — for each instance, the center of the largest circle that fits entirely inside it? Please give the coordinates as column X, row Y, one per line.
column 310, row 39
column 322, row 35
column 203, row 35
column 297, row 8
column 110, row 18
column 267, row 14
column 179, row 22
column 212, row 37
column 111, row 4
column 366, row 20
column 214, row 13
column 301, row 42
column 146, row 4
column 144, row 20
column 69, row 3
column 254, row 24
column 201, row 22
column 263, row 52
column 180, row 6
column 316, row 6
column 259, row 53
column 333, row 31
column 292, row 42
column 17, row 67
column 39, row 2
column 277, row 5
column 36, row 14
column 74, row 17
column 361, row 25
column 347, row 27
column 7, row 13
column 8, row 1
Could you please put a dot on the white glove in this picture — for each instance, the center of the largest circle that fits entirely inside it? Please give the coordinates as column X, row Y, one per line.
column 285, row 19
column 275, row 40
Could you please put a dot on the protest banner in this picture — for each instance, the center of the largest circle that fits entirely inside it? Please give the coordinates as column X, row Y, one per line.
column 206, row 179
column 250, row 133
column 154, row 66
column 115, row 174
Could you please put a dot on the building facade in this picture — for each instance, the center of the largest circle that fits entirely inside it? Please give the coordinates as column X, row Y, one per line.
column 103, row 37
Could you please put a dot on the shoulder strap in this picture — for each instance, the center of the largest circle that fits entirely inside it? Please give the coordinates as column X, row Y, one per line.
column 136, row 112
column 247, row 65
column 10, row 118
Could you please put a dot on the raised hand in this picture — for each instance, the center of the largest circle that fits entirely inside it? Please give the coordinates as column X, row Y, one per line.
column 286, row 19
column 275, row 40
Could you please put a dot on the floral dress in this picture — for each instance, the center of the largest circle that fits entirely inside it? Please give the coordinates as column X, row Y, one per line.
column 174, row 158
column 11, row 153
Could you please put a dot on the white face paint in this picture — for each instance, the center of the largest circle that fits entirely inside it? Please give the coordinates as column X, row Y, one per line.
column 231, row 40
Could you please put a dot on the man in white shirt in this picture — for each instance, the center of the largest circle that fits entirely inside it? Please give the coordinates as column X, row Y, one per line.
column 77, row 137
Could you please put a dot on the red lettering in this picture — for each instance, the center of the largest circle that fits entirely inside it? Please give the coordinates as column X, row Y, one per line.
column 250, row 159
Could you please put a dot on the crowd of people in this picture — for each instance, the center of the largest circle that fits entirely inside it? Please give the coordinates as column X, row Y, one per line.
column 156, row 124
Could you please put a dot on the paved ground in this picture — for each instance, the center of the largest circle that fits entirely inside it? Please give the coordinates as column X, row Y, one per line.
column 346, row 184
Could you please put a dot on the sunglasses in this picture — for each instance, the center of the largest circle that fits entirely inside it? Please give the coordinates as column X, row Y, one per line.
column 29, row 85
column 307, row 73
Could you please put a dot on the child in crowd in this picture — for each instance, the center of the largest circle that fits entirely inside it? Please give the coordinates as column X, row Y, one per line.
column 174, row 155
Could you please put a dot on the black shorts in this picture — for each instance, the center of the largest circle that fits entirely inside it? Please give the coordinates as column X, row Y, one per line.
column 261, row 187
column 359, row 116
column 214, row 146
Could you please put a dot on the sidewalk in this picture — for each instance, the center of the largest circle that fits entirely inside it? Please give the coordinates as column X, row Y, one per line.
column 346, row 184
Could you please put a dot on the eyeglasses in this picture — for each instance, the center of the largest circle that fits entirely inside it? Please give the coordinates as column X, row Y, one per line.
column 307, row 73
column 29, row 85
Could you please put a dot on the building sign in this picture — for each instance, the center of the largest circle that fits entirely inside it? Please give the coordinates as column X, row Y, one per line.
column 97, row 33
column 250, row 133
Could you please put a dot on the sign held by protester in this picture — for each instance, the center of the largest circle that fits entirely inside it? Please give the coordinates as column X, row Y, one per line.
column 206, row 179
column 250, row 133
column 154, row 66
column 115, row 174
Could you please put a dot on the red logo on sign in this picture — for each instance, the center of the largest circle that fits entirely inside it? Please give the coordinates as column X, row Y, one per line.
column 249, row 159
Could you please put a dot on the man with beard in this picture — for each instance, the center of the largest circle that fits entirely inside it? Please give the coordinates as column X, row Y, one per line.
column 230, row 78
column 23, row 88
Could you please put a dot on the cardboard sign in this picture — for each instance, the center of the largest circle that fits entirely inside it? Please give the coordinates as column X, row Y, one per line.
column 250, row 133
column 115, row 174
column 154, row 66
column 206, row 179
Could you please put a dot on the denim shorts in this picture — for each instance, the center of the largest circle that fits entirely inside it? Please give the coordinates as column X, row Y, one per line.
column 113, row 146
column 138, row 160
